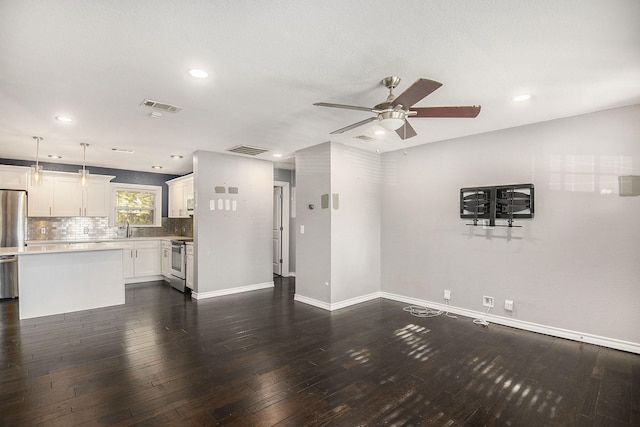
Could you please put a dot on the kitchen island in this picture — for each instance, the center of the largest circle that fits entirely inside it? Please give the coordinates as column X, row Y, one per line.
column 57, row 279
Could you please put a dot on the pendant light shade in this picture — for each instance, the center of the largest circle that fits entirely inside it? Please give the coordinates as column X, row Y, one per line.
column 36, row 170
column 84, row 173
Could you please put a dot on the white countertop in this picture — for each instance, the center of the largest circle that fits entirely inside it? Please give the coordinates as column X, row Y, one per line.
column 69, row 247
column 121, row 239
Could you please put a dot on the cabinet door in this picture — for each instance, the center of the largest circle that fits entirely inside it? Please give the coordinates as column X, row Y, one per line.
column 128, row 260
column 14, row 177
column 189, row 262
column 41, row 198
column 96, row 198
column 176, row 196
column 67, row 196
column 188, row 195
column 166, row 259
column 147, row 259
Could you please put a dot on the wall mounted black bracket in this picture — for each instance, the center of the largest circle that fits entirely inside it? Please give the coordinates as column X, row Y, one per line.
column 507, row 202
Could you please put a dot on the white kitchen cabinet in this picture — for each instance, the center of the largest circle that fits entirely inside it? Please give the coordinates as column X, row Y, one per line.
column 96, row 197
column 189, row 262
column 60, row 195
column 67, row 196
column 181, row 196
column 128, row 260
column 40, row 201
column 166, row 258
column 141, row 259
column 14, row 177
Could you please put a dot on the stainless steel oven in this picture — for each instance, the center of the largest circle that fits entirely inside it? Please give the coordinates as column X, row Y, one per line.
column 178, row 264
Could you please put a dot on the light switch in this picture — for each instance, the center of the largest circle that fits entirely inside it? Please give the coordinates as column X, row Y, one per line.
column 302, row 229
column 212, row 205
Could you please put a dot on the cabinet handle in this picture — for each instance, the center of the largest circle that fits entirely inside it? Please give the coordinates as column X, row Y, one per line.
column 85, row 211
column 136, row 253
column 79, row 211
column 131, row 253
column 49, row 210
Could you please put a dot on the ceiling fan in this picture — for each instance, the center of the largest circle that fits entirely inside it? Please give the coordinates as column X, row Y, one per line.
column 394, row 111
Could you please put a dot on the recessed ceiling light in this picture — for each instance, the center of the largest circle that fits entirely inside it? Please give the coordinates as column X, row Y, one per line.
column 54, row 156
column 521, row 98
column 156, row 167
column 176, row 156
column 122, row 150
column 277, row 155
column 379, row 131
column 198, row 74
column 64, row 119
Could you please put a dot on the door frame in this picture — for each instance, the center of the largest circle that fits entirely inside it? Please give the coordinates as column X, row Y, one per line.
column 286, row 215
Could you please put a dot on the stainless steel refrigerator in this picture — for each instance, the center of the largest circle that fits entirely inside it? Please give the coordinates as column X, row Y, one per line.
column 13, row 220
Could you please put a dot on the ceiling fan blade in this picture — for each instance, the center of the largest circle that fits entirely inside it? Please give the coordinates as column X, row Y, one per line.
column 349, row 107
column 417, row 91
column 355, row 125
column 462, row 112
column 406, row 131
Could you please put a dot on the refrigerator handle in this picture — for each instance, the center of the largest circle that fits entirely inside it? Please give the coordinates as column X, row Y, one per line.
column 11, row 258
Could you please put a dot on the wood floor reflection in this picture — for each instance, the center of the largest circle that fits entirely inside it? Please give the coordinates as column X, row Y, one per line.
column 261, row 359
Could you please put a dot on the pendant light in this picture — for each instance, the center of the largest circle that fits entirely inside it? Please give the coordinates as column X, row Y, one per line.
column 84, row 173
column 36, row 170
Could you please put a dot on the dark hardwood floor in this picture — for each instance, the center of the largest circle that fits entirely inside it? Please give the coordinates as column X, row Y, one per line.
column 261, row 359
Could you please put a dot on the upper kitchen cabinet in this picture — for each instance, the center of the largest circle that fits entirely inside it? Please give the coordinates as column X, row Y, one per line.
column 181, row 197
column 60, row 194
column 13, row 177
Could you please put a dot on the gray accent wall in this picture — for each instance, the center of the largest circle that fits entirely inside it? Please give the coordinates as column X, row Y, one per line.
column 574, row 266
column 232, row 248
column 338, row 256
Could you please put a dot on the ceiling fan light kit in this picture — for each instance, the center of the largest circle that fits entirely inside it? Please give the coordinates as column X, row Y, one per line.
column 391, row 120
column 392, row 114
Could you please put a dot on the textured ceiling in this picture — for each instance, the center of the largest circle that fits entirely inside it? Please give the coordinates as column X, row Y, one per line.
column 269, row 61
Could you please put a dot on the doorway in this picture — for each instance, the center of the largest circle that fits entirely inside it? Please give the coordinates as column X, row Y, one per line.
column 281, row 228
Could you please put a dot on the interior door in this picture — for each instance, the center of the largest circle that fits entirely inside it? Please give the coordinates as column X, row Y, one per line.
column 277, row 230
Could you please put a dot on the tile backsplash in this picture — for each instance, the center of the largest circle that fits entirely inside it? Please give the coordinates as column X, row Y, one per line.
column 91, row 228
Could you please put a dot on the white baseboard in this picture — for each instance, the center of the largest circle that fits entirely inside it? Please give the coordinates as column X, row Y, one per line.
column 337, row 305
column 229, row 291
column 130, row 280
column 521, row 324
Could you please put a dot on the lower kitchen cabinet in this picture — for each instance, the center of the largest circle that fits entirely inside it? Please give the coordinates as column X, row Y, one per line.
column 189, row 262
column 141, row 260
column 166, row 259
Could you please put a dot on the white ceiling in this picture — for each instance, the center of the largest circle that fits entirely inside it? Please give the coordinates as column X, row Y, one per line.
column 269, row 61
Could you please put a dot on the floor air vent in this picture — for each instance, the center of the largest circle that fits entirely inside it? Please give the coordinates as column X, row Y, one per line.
column 248, row 150
column 161, row 106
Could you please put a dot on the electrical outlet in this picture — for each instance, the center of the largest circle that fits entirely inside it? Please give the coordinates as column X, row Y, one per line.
column 43, row 230
column 86, row 230
column 508, row 304
column 447, row 294
column 487, row 301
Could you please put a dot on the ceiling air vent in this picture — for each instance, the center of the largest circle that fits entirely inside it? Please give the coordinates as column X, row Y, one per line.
column 365, row 138
column 248, row 150
column 161, row 106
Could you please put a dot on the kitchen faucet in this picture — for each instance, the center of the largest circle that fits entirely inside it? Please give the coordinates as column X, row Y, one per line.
column 129, row 230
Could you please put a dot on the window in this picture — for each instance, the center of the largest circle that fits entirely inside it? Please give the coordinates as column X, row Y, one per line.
column 139, row 205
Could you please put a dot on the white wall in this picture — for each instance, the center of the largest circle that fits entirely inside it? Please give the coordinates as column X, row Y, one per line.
column 313, row 248
column 338, row 256
column 355, row 225
column 575, row 266
column 233, row 248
